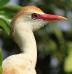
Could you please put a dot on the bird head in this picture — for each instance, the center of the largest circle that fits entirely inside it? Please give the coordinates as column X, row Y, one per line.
column 34, row 17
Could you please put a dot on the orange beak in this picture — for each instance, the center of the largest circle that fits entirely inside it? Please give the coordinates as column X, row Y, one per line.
column 48, row 17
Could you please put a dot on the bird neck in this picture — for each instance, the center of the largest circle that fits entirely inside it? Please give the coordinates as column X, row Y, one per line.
column 25, row 39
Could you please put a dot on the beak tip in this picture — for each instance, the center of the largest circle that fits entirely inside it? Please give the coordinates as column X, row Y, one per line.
column 63, row 18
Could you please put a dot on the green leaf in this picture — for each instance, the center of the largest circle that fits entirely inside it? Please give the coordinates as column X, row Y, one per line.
column 4, row 26
column 3, row 2
column 9, row 11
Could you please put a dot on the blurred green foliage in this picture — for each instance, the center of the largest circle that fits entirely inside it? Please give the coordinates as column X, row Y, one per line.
column 52, row 39
column 2, row 3
column 4, row 26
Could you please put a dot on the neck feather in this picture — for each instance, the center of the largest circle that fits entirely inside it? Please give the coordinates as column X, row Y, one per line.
column 24, row 37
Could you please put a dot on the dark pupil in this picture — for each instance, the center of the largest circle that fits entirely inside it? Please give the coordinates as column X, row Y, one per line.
column 34, row 15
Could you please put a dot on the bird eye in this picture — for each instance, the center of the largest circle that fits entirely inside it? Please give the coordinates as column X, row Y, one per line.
column 34, row 16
